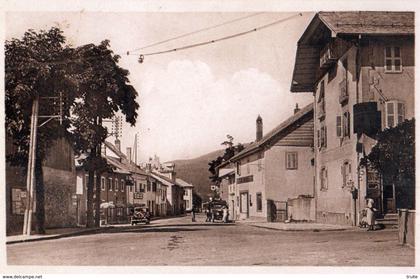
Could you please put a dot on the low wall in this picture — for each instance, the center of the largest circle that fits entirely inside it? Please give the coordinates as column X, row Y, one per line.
column 406, row 226
column 301, row 209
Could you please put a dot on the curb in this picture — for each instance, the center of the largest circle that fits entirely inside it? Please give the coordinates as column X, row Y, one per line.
column 300, row 230
column 57, row 236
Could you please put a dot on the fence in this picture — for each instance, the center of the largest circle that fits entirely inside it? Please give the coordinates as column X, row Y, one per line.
column 406, row 225
column 276, row 211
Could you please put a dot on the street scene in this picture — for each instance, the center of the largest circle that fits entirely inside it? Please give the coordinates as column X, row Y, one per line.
column 210, row 139
column 179, row 241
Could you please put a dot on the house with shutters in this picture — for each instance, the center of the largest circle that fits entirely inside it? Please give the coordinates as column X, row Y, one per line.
column 359, row 66
column 274, row 174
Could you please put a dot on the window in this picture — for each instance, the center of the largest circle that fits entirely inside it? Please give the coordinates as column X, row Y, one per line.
column 86, row 181
column 154, row 187
column 117, row 185
column 259, row 202
column 321, row 101
column 395, row 113
column 110, row 184
column 322, row 137
column 122, row 185
column 142, row 188
column 346, row 173
column 291, row 160
column 103, row 183
column 393, row 59
column 238, row 167
column 339, row 127
column 148, row 186
column 323, row 176
column 346, row 124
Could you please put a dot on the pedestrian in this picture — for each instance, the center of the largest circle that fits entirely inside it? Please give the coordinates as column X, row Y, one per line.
column 225, row 214
column 193, row 214
column 370, row 214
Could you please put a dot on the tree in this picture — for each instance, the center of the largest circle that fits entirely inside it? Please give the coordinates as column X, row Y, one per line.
column 393, row 157
column 230, row 151
column 34, row 68
column 103, row 91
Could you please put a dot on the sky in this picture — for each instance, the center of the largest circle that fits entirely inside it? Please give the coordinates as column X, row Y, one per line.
column 191, row 99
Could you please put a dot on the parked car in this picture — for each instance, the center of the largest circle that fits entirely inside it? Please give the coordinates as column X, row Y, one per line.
column 140, row 215
column 217, row 209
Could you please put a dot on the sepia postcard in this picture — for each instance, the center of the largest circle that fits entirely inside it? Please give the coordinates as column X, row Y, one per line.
column 209, row 137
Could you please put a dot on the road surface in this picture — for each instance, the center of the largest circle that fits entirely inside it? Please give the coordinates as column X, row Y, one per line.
column 178, row 241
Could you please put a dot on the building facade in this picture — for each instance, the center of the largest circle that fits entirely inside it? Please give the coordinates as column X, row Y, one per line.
column 360, row 68
column 275, row 168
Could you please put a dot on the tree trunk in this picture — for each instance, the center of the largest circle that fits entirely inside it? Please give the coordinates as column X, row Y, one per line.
column 89, row 210
column 40, row 197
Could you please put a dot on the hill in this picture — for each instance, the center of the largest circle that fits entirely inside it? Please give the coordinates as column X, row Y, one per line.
column 195, row 171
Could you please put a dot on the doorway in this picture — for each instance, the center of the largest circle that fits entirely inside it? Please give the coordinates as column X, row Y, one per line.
column 244, row 204
column 388, row 198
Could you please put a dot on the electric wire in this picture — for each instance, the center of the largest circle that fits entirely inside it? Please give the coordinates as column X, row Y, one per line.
column 196, row 32
column 219, row 39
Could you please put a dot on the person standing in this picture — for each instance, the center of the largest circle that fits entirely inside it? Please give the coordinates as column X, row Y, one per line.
column 225, row 214
column 193, row 214
column 370, row 215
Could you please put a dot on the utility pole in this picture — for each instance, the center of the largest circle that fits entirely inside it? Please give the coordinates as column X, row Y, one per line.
column 30, row 177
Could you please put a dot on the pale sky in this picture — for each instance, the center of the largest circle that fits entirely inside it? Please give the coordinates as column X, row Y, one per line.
column 190, row 100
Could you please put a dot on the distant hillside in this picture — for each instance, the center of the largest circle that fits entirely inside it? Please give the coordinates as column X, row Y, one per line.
column 195, row 171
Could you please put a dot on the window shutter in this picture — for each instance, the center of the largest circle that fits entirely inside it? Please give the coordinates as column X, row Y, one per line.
column 319, row 139
column 401, row 112
column 390, row 114
column 339, row 127
column 325, row 136
column 326, row 179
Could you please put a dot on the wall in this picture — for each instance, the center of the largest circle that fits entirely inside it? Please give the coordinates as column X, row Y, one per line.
column 282, row 184
column 252, row 166
column 301, row 209
column 335, row 204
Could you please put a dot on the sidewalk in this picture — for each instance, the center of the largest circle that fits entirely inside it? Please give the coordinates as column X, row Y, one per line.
column 295, row 226
column 55, row 234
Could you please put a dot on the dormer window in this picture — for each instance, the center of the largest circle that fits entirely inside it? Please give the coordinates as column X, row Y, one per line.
column 393, row 62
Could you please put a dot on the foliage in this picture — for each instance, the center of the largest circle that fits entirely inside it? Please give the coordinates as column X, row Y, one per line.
column 230, row 151
column 394, row 157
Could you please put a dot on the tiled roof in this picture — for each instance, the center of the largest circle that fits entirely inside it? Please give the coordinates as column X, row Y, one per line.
column 162, row 179
column 183, row 183
column 117, row 165
column 267, row 137
column 369, row 22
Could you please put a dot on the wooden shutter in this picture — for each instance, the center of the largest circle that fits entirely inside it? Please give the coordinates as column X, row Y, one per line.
column 339, row 126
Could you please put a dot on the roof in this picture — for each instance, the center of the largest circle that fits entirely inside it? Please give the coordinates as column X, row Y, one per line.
column 117, row 166
column 325, row 25
column 257, row 145
column 226, row 172
column 183, row 183
column 131, row 166
column 161, row 179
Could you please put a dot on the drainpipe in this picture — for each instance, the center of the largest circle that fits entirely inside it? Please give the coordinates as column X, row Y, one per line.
column 358, row 73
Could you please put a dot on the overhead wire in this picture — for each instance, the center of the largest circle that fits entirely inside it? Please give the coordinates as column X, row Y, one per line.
column 141, row 57
column 196, row 31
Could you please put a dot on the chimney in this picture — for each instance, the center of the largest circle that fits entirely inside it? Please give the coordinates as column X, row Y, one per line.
column 118, row 144
column 296, row 108
column 259, row 128
column 129, row 154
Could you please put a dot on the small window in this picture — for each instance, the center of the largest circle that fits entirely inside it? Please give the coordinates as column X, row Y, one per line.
column 323, row 176
column 393, row 59
column 395, row 113
column 291, row 160
column 346, row 173
column 142, row 188
column 339, row 126
column 86, row 181
column 103, row 183
column 259, row 202
column 122, row 185
column 110, row 186
column 322, row 137
column 117, row 185
column 238, row 167
column 346, row 124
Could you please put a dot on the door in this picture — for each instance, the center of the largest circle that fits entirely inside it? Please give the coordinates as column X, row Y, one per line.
column 389, row 198
column 244, row 206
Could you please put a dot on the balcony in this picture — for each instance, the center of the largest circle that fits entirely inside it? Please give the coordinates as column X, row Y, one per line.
column 327, row 57
column 344, row 94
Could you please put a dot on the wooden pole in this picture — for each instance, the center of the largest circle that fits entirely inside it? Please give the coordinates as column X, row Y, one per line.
column 30, row 177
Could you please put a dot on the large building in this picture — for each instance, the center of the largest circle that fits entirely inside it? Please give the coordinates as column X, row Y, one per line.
column 59, row 177
column 274, row 170
column 359, row 66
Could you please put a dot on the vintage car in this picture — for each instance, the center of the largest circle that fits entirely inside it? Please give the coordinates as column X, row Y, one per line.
column 140, row 215
column 218, row 209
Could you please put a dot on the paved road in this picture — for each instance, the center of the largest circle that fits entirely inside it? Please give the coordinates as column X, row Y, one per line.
column 178, row 241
